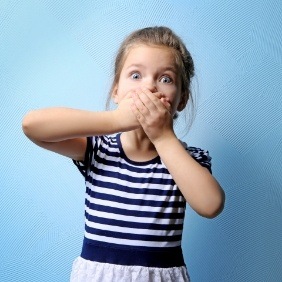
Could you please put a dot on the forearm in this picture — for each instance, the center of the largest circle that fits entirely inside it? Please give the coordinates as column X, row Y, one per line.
column 198, row 186
column 57, row 124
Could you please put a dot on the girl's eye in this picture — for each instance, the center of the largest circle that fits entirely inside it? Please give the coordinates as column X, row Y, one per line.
column 166, row 79
column 135, row 75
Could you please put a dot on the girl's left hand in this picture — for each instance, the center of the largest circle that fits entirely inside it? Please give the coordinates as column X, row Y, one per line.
column 153, row 111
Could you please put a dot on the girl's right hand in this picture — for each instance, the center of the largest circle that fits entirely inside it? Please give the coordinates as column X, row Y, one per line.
column 124, row 115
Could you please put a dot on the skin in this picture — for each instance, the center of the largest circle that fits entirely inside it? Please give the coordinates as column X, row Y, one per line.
column 148, row 94
column 149, row 82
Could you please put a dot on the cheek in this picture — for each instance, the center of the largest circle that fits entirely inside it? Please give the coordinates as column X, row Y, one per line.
column 176, row 100
column 126, row 86
column 171, row 92
column 122, row 90
column 119, row 96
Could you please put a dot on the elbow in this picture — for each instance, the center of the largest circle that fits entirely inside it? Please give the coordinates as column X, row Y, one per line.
column 28, row 125
column 214, row 212
column 214, row 208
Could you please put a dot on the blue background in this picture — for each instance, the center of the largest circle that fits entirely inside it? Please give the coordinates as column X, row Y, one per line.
column 60, row 53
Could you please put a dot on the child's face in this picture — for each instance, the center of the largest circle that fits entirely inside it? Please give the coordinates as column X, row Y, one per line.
column 151, row 67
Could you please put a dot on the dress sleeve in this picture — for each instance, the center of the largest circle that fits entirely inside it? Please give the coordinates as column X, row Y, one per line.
column 201, row 156
column 85, row 164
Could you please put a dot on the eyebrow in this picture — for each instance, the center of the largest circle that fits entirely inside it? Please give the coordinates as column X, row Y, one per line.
column 169, row 68
column 135, row 65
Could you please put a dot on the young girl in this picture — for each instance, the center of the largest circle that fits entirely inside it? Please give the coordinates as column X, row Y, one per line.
column 138, row 175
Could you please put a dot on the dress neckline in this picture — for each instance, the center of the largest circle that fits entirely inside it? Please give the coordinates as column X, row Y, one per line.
column 142, row 163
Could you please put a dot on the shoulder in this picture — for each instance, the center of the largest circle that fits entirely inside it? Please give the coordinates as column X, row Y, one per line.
column 202, row 156
column 94, row 142
column 95, row 145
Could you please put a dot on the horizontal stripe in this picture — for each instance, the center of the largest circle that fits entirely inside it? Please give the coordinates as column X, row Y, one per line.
column 130, row 230
column 137, row 190
column 128, row 218
column 133, row 212
column 136, row 199
column 139, row 178
column 137, row 205
column 106, row 168
column 126, row 242
column 135, row 225
column 132, row 236
column 114, row 159
column 114, row 235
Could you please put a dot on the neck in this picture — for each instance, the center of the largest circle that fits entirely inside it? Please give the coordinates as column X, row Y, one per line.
column 137, row 146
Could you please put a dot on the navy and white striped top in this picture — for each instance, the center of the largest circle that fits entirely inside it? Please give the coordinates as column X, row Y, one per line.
column 134, row 211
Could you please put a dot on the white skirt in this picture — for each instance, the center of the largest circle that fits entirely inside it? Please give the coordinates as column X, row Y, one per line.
column 91, row 271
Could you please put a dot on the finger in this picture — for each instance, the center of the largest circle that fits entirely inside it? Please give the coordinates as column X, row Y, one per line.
column 129, row 94
column 166, row 104
column 136, row 112
column 141, row 102
column 155, row 98
column 150, row 100
column 155, row 95
column 158, row 95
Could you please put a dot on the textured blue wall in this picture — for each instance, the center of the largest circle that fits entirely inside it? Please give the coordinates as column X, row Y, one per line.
column 60, row 53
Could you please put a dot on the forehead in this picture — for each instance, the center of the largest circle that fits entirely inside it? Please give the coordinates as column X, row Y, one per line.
column 144, row 54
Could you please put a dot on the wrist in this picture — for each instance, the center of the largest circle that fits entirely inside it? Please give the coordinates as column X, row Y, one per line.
column 122, row 121
column 116, row 118
column 165, row 140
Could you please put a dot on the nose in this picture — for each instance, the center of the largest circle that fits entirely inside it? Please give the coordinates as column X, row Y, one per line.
column 151, row 85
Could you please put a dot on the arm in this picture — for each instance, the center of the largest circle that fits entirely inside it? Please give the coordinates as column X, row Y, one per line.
column 198, row 186
column 200, row 189
column 64, row 130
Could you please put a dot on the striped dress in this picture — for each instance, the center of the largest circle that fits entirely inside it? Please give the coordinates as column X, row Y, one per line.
column 134, row 215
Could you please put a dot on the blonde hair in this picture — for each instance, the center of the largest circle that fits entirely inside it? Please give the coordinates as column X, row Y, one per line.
column 159, row 36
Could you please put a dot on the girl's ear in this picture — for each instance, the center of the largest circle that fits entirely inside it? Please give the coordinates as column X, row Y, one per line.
column 115, row 94
column 183, row 101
